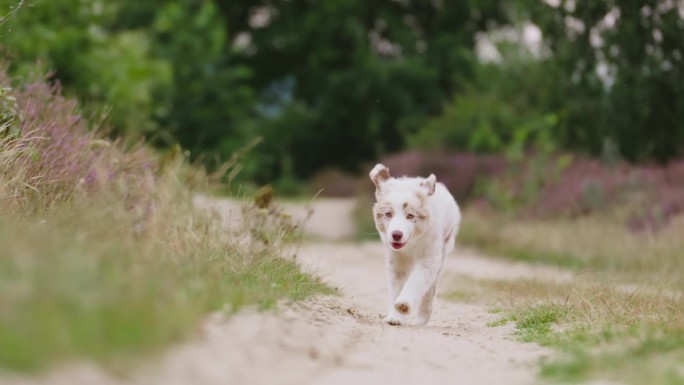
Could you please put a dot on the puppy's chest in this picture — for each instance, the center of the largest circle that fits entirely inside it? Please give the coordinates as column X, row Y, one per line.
column 400, row 262
column 411, row 256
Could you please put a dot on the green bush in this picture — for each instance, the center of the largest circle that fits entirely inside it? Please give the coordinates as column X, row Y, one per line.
column 112, row 71
column 500, row 110
column 619, row 79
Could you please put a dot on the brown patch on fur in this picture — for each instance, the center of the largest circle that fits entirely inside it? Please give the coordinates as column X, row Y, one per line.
column 384, row 174
column 380, row 209
column 422, row 214
column 402, row 308
column 421, row 198
column 405, row 205
column 379, row 174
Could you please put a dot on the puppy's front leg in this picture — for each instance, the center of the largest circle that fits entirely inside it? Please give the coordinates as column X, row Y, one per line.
column 397, row 273
column 425, row 310
column 422, row 279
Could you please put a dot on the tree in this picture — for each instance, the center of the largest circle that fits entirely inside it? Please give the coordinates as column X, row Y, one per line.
column 621, row 73
column 326, row 83
column 209, row 100
column 360, row 74
column 106, row 69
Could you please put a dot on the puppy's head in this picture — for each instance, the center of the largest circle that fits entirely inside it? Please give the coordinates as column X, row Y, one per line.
column 401, row 213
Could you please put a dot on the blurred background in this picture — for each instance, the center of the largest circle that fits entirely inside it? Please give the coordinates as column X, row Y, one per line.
column 557, row 124
column 567, row 103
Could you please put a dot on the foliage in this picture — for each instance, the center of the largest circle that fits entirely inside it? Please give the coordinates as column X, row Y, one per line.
column 52, row 154
column 620, row 77
column 10, row 116
column 352, row 77
column 340, row 82
column 209, row 100
column 498, row 111
column 610, row 72
column 309, row 78
column 100, row 242
column 105, row 68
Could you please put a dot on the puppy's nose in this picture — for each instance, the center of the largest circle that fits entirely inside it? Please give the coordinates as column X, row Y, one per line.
column 396, row 235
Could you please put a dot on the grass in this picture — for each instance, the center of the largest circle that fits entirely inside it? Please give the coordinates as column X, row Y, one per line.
column 600, row 330
column 622, row 319
column 596, row 244
column 102, row 254
column 534, row 323
column 79, row 283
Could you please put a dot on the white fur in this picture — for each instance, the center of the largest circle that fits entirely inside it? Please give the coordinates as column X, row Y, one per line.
column 417, row 219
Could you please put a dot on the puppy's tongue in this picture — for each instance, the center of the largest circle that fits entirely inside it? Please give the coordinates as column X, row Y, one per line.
column 397, row 246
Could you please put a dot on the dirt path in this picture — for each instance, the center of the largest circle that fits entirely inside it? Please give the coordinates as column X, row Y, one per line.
column 342, row 340
column 456, row 346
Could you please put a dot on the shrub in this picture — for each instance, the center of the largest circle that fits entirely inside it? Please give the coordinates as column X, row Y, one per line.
column 53, row 154
column 83, row 44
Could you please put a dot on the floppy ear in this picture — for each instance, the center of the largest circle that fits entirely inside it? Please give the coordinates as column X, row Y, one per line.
column 429, row 184
column 379, row 174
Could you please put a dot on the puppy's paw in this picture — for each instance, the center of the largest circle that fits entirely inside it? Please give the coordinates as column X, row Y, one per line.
column 394, row 320
column 402, row 307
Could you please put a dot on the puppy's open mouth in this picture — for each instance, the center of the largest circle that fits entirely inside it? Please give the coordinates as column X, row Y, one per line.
column 397, row 245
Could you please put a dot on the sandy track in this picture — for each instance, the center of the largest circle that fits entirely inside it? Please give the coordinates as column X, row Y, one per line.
column 342, row 339
column 457, row 346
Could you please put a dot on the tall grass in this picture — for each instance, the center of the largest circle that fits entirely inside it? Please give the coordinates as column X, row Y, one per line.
column 102, row 254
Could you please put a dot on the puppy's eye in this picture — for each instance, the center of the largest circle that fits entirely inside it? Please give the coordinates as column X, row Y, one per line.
column 388, row 214
column 410, row 216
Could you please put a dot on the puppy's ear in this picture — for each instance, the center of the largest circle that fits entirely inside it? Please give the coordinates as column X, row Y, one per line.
column 429, row 184
column 379, row 174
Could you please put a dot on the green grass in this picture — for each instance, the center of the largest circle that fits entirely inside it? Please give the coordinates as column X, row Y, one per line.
column 534, row 323
column 651, row 361
column 79, row 283
column 638, row 354
column 598, row 330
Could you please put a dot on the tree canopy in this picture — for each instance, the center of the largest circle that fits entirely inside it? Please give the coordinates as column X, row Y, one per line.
column 334, row 83
column 621, row 73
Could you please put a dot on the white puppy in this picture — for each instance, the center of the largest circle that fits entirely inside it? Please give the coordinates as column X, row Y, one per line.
column 418, row 220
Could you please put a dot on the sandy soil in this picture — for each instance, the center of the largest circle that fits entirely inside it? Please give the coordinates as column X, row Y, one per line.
column 342, row 340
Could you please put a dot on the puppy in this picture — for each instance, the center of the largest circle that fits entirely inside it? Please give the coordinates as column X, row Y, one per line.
column 417, row 219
